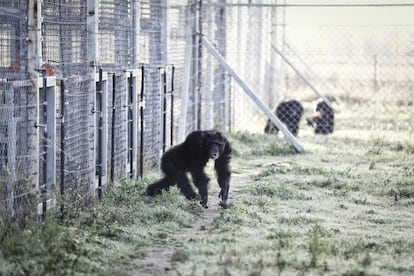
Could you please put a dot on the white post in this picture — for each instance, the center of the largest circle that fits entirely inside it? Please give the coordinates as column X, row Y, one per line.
column 207, row 92
column 47, row 88
column 51, row 133
column 34, row 55
column 164, row 32
column 136, row 15
column 34, row 28
column 292, row 139
column 134, row 75
column 92, row 55
column 182, row 127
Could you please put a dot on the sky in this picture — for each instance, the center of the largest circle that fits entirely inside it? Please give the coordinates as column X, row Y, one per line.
column 350, row 15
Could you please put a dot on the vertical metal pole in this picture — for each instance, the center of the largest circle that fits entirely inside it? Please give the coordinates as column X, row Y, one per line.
column 51, row 135
column 164, row 109
column 48, row 125
column 141, row 117
column 62, row 148
column 113, row 129
column 164, row 31
column 92, row 61
column 43, row 126
column 133, row 125
column 34, row 27
column 208, row 86
column 172, row 107
column 198, row 64
column 136, row 32
column 34, row 57
column 130, row 125
column 99, row 108
column 185, row 88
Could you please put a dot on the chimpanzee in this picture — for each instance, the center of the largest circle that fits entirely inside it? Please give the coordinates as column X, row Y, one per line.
column 324, row 122
column 192, row 156
column 289, row 112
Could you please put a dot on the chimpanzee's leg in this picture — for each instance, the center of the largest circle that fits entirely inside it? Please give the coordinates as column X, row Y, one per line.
column 163, row 184
column 200, row 180
column 185, row 187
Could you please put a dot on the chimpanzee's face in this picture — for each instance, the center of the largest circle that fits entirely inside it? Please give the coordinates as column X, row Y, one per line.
column 216, row 144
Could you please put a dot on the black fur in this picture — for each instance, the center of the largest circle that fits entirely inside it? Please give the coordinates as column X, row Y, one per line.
column 324, row 122
column 191, row 157
column 289, row 112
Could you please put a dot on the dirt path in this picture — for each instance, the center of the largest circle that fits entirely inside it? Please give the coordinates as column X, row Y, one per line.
column 157, row 260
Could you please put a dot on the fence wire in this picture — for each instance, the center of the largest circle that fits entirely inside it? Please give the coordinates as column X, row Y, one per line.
column 158, row 82
column 13, row 43
column 281, row 61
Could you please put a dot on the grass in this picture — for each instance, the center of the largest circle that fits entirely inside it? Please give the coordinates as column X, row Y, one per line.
column 344, row 207
column 101, row 239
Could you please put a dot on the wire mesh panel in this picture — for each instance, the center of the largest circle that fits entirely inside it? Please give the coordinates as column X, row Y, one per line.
column 168, row 98
column 214, row 80
column 153, row 24
column 115, row 34
column 243, row 34
column 117, row 121
column 13, row 43
column 180, row 48
column 18, row 147
column 64, row 35
column 283, row 55
column 152, row 143
column 77, row 168
column 363, row 67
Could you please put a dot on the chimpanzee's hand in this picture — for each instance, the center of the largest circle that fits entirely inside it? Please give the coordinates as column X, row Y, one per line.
column 203, row 203
column 223, row 197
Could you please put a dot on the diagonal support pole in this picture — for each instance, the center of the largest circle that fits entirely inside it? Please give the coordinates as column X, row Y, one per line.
column 272, row 117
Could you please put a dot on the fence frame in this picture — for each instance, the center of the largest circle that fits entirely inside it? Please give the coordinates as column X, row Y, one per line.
column 46, row 91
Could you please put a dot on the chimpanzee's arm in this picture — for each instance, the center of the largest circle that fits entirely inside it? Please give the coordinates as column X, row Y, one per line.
column 222, row 167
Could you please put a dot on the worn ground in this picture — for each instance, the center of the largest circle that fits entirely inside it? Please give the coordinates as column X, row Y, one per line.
column 158, row 259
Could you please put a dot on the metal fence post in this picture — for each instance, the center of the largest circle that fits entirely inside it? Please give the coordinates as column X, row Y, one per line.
column 164, row 108
column 47, row 126
column 172, row 106
column 113, row 128
column 100, row 124
column 92, row 56
column 62, row 147
column 141, row 127
column 34, row 56
column 132, row 122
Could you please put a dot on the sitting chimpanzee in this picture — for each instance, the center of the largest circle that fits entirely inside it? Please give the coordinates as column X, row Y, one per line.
column 192, row 156
column 324, row 122
column 289, row 112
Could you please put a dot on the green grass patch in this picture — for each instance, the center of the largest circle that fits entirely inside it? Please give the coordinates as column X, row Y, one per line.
column 100, row 239
column 344, row 207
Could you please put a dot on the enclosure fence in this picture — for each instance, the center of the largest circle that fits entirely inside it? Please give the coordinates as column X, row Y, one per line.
column 93, row 92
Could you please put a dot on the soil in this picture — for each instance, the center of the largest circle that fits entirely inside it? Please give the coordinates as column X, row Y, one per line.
column 157, row 259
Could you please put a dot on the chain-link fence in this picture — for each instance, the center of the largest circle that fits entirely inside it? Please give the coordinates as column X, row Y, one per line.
column 93, row 92
column 284, row 58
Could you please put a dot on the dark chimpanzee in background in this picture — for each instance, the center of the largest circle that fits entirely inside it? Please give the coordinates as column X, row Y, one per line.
column 289, row 112
column 192, row 156
column 324, row 122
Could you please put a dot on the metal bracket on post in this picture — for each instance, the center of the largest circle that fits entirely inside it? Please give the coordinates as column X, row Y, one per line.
column 289, row 136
